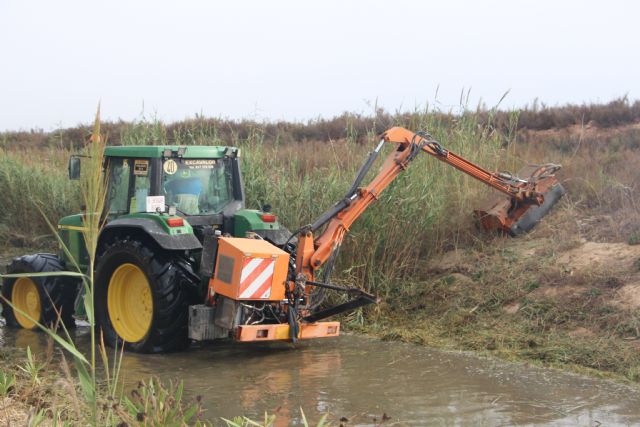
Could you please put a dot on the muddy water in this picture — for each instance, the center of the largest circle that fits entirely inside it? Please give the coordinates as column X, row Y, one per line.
column 361, row 379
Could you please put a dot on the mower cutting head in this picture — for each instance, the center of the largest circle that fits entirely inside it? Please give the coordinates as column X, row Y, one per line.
column 506, row 214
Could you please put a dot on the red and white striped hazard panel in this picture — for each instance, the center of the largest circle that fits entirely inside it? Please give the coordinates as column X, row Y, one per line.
column 256, row 278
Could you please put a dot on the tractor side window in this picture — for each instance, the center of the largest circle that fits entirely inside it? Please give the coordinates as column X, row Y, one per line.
column 141, row 185
column 141, row 191
column 118, row 195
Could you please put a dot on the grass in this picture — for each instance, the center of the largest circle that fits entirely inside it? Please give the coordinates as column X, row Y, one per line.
column 42, row 390
column 517, row 308
column 303, row 168
column 32, row 180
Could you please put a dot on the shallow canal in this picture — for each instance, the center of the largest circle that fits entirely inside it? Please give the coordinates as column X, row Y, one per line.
column 361, row 379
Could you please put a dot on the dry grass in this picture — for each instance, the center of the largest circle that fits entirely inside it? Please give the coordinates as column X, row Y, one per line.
column 352, row 126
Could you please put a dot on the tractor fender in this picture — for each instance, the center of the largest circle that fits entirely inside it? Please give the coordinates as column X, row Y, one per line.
column 155, row 231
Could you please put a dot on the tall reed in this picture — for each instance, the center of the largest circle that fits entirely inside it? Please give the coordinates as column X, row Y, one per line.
column 166, row 406
column 427, row 210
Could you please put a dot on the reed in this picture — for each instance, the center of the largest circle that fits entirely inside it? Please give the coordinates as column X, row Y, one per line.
column 103, row 399
column 426, row 211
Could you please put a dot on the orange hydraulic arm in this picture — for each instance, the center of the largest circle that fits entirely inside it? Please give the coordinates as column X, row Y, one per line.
column 312, row 252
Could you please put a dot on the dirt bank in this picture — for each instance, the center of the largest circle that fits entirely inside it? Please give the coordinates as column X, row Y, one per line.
column 552, row 297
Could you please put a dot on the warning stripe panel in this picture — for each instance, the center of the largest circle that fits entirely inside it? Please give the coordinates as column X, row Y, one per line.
column 264, row 291
column 249, row 266
column 256, row 278
column 253, row 269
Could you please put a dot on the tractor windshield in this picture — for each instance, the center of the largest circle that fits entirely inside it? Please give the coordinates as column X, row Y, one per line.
column 197, row 186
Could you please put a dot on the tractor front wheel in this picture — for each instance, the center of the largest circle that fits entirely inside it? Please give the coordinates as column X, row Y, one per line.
column 28, row 301
column 142, row 295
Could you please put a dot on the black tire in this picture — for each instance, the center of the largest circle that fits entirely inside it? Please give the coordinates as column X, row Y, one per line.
column 172, row 284
column 55, row 292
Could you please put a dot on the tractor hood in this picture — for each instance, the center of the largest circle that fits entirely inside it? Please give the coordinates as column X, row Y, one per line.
column 265, row 224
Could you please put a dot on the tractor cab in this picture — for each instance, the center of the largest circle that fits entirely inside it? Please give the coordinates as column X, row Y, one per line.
column 178, row 195
column 197, row 181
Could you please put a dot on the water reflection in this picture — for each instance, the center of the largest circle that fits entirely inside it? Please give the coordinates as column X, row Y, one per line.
column 360, row 379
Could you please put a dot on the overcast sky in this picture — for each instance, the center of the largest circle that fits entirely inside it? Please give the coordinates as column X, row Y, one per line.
column 270, row 60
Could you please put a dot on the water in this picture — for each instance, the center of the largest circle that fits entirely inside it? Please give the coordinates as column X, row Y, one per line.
column 361, row 379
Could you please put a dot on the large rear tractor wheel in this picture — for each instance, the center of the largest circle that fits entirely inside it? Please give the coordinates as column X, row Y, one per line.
column 38, row 299
column 142, row 295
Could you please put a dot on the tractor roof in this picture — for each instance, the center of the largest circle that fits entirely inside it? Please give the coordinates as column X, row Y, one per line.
column 151, row 151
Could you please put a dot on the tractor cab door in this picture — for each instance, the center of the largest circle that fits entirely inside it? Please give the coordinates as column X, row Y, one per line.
column 130, row 182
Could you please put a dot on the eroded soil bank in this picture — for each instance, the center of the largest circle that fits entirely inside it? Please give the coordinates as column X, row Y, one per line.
column 552, row 297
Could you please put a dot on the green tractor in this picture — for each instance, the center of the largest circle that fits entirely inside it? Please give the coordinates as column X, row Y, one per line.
column 181, row 259
column 166, row 208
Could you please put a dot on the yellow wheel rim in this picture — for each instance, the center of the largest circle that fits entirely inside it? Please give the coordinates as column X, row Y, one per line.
column 26, row 298
column 130, row 302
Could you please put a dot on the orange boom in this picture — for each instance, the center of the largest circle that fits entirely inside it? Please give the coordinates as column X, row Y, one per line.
column 523, row 201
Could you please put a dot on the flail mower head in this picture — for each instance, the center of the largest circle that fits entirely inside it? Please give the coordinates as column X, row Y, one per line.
column 515, row 217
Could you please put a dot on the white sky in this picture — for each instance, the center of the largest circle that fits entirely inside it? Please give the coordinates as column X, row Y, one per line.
column 270, row 60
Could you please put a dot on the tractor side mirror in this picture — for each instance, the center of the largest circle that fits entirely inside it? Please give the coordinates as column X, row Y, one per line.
column 74, row 167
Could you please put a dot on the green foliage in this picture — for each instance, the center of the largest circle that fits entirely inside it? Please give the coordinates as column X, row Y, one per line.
column 36, row 418
column 7, row 383
column 532, row 286
column 32, row 367
column 153, row 404
column 594, row 292
column 29, row 180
